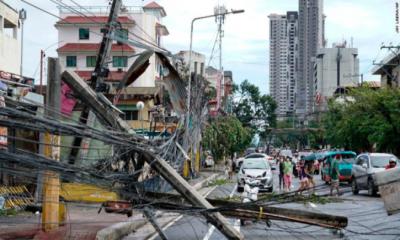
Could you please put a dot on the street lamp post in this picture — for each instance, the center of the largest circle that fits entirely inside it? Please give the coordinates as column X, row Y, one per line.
column 22, row 18
column 190, row 56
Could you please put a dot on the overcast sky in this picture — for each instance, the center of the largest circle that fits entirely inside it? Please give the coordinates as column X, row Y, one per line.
column 246, row 42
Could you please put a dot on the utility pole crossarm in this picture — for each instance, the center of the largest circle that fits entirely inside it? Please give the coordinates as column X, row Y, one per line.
column 100, row 69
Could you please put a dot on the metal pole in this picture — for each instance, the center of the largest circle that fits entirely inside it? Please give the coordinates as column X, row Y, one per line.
column 41, row 71
column 22, row 46
column 190, row 76
column 190, row 57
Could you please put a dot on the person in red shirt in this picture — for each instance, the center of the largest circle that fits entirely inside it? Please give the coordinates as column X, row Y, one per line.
column 392, row 164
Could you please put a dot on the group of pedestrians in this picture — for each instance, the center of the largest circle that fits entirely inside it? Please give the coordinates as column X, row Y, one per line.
column 304, row 171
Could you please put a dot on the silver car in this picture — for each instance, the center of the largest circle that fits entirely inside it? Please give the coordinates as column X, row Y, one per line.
column 255, row 172
column 364, row 169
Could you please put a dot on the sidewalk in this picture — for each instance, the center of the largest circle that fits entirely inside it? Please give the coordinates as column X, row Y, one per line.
column 83, row 221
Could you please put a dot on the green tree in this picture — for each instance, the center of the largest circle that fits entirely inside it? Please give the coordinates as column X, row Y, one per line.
column 224, row 136
column 253, row 109
column 365, row 118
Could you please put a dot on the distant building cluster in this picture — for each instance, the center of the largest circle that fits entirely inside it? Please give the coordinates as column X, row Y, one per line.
column 303, row 72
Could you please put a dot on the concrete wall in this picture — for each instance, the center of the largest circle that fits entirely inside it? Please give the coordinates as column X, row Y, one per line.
column 10, row 47
column 326, row 70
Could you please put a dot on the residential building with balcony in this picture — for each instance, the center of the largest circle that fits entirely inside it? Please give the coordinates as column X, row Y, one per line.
column 283, row 61
column 79, row 42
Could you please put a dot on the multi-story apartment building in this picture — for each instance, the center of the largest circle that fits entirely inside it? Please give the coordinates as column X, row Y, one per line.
column 79, row 41
column 336, row 67
column 292, row 66
column 283, row 61
column 278, row 61
column 10, row 46
column 311, row 38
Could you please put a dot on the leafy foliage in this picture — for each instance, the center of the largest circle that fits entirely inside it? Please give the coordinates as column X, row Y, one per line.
column 366, row 118
column 225, row 136
column 253, row 109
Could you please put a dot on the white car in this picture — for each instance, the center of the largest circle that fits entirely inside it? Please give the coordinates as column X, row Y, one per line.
column 256, row 172
column 209, row 162
column 270, row 159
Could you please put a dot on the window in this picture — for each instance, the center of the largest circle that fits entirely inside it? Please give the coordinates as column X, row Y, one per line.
column 131, row 115
column 71, row 61
column 91, row 61
column 84, row 33
column 120, row 61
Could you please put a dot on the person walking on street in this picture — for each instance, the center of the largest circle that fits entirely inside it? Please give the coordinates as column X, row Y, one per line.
column 287, row 174
column 228, row 168
column 309, row 171
column 280, row 162
column 334, row 172
column 302, row 176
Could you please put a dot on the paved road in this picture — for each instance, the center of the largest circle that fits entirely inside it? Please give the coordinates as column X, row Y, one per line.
column 367, row 220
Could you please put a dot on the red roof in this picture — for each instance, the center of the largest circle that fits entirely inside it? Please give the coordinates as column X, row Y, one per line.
column 93, row 20
column 112, row 76
column 93, row 47
column 154, row 5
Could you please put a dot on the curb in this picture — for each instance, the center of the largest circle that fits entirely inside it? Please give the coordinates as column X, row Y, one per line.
column 206, row 181
column 119, row 230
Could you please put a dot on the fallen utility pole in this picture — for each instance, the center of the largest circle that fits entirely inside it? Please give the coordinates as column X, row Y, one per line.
column 249, row 211
column 156, row 162
column 99, row 73
column 51, row 181
column 150, row 216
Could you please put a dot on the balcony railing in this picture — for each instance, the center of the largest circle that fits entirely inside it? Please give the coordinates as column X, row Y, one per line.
column 101, row 10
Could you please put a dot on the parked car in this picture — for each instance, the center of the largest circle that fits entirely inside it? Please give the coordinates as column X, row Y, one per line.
column 364, row 169
column 345, row 166
column 270, row 159
column 255, row 172
column 209, row 162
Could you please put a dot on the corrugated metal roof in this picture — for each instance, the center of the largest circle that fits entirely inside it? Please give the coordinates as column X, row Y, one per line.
column 93, row 47
column 154, row 5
